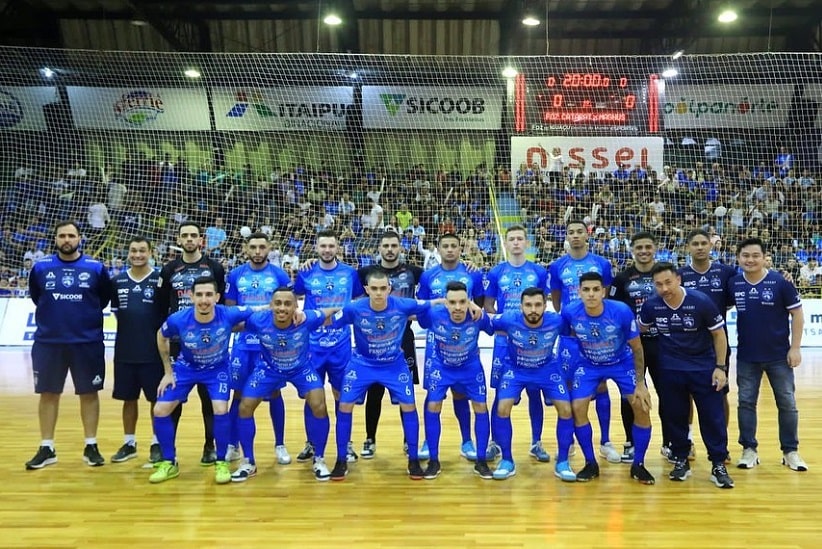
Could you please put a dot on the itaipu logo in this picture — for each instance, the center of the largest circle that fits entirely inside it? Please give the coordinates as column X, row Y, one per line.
column 743, row 106
column 11, row 110
column 139, row 107
column 392, row 102
column 244, row 100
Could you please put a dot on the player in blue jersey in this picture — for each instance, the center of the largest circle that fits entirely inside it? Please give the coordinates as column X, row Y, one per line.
column 692, row 349
column 769, row 328
column 563, row 276
column 433, row 284
column 137, row 364
column 454, row 363
column 285, row 358
column 506, row 282
column 253, row 284
column 70, row 291
column 328, row 284
column 610, row 347
column 204, row 330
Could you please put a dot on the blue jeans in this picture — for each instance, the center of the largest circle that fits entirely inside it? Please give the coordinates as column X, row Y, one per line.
column 780, row 376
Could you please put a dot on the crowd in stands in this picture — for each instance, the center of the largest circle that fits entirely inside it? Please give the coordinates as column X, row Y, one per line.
column 773, row 200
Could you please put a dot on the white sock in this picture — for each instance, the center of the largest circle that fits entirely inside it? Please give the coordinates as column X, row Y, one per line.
column 91, row 440
column 131, row 440
column 48, row 443
column 154, row 440
column 690, row 431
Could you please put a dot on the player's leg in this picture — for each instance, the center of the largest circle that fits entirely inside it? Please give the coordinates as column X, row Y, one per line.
column 240, row 368
column 708, row 402
column 164, row 427
column 149, row 379
column 748, row 381
column 503, row 430
column 462, row 411
column 373, row 410
column 127, row 389
column 320, row 360
column 781, row 380
column 624, row 375
column 409, row 350
column 87, row 364
column 536, row 414
column 358, row 379
column 310, row 386
column 498, row 356
column 335, row 365
column 472, row 384
column 399, row 383
column 216, row 383
column 247, row 432
column 207, row 409
column 557, row 394
column 437, row 387
column 50, row 369
column 675, row 393
column 602, row 402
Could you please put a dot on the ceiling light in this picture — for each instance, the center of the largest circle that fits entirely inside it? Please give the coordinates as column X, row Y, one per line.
column 139, row 22
column 669, row 73
column 47, row 72
column 509, row 72
column 727, row 16
column 332, row 19
column 677, row 54
column 530, row 21
column 192, row 73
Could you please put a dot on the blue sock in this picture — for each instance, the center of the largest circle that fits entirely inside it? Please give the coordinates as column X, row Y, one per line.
column 164, row 431
column 433, row 428
column 565, row 437
column 234, row 414
column 248, row 430
column 343, row 431
column 462, row 409
column 494, row 418
column 642, row 439
column 482, row 430
column 585, row 437
column 307, row 417
column 603, row 406
column 503, row 433
column 537, row 413
column 276, row 407
column 411, row 430
column 318, row 428
column 222, row 430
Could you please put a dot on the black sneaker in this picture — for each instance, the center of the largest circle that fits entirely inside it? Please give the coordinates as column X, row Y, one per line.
column 589, row 472
column 433, row 470
column 481, row 468
column 91, row 455
column 415, row 470
column 681, row 471
column 125, row 453
column 369, row 449
column 44, row 456
column 627, row 453
column 720, row 476
column 307, row 454
column 209, row 456
column 155, row 454
column 640, row 473
column 340, row 470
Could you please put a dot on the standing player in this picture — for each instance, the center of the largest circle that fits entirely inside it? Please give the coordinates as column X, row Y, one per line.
column 609, row 343
column 769, row 326
column 137, row 364
column 204, row 330
column 433, row 284
column 70, row 291
column 174, row 294
column 454, row 363
column 506, row 282
column 564, row 276
column 253, row 284
column 692, row 349
column 328, row 284
column 529, row 364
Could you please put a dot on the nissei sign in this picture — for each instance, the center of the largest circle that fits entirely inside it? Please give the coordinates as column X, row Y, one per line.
column 724, row 106
column 296, row 108
column 424, row 108
column 141, row 108
column 597, row 154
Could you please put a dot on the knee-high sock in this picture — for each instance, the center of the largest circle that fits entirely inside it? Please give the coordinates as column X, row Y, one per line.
column 462, row 409
column 482, row 431
column 207, row 410
column 318, row 428
column 503, row 433
column 164, row 429
column 627, row 420
column 642, row 438
column 494, row 418
column 411, row 430
column 234, row 415
column 603, row 405
column 307, row 415
column 222, row 431
column 433, row 427
column 343, row 431
column 248, row 430
column 565, row 437
column 585, row 437
column 373, row 409
column 537, row 414
column 276, row 407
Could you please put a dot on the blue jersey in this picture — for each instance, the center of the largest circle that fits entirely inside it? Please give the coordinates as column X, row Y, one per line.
column 528, row 347
column 685, row 340
column 434, row 280
column 564, row 274
column 329, row 289
column 284, row 349
column 204, row 345
column 762, row 318
column 247, row 286
column 378, row 334
column 506, row 283
column 712, row 283
column 603, row 339
column 455, row 344
column 70, row 297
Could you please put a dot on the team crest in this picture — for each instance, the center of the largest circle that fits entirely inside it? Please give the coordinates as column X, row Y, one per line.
column 67, row 280
column 767, row 294
column 205, row 337
column 688, row 321
column 455, row 335
column 403, row 378
column 380, row 324
column 148, row 293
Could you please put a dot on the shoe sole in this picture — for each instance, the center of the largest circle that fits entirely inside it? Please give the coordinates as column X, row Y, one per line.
column 416, row 476
column 509, row 475
column 586, row 479
column 351, row 459
column 175, row 475
column 468, row 456
column 611, row 459
column 720, row 485
column 207, row 463
column 799, row 469
column 680, row 479
column 484, row 477
column 49, row 461
column 242, row 479
column 301, row 459
column 93, row 463
column 646, row 482
column 123, row 459
column 283, row 462
column 429, row 476
column 747, row 465
column 540, row 459
column 565, row 478
column 339, row 479
column 367, row 456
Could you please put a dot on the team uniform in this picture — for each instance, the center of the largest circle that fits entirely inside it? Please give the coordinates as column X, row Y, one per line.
column 564, row 274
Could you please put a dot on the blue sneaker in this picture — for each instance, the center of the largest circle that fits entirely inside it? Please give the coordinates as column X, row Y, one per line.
column 505, row 469
column 538, row 453
column 468, row 450
column 493, row 451
column 563, row 472
column 423, row 452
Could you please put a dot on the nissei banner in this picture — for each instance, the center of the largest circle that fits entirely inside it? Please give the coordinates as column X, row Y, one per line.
column 431, row 108
column 297, row 108
column 599, row 154
column 21, row 108
column 724, row 106
column 139, row 108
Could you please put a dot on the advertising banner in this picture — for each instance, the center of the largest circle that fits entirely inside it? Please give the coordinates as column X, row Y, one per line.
column 723, row 106
column 140, row 108
column 599, row 154
column 298, row 108
column 21, row 108
column 813, row 92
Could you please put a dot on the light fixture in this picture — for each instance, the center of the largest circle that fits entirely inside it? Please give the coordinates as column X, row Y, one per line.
column 139, row 22
column 530, row 21
column 47, row 72
column 353, row 75
column 509, row 72
column 677, row 54
column 332, row 20
column 669, row 73
column 727, row 16
column 192, row 73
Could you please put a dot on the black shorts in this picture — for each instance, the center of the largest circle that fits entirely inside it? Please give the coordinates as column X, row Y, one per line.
column 130, row 379
column 51, row 363
column 409, row 349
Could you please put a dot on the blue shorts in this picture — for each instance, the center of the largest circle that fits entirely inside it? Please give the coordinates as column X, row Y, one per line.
column 264, row 381
column 468, row 380
column 360, row 375
column 243, row 362
column 51, row 363
column 216, row 380
column 498, row 360
column 568, row 357
column 547, row 379
column 588, row 376
column 331, row 362
column 132, row 378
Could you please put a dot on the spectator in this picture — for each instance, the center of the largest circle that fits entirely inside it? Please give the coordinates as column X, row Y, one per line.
column 215, row 238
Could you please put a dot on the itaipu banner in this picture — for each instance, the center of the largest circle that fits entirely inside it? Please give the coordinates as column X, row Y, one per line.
column 724, row 106
column 295, row 108
column 21, row 108
column 140, row 108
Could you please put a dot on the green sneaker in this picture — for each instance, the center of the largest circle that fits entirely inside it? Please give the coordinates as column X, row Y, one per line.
column 222, row 472
column 165, row 470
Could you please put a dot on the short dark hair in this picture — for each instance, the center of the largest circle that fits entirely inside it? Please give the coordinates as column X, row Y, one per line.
column 390, row 234
column 65, row 223
column 140, row 238
column 190, row 224
column 288, row 289
column 327, row 233
column 516, row 227
column 751, row 241
column 643, row 235
column 662, row 267
column 591, row 277
column 697, row 232
column 530, row 292
column 446, row 236
column 260, row 235
column 576, row 222
column 456, row 286
column 205, row 280
column 376, row 273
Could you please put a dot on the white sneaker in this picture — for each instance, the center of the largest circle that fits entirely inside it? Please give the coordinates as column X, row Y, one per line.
column 350, row 454
column 244, row 472
column 283, row 457
column 665, row 451
column 794, row 462
column 748, row 460
column 610, row 453
column 321, row 472
column 233, row 453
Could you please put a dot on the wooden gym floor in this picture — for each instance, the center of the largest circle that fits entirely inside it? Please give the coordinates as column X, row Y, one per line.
column 72, row 505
